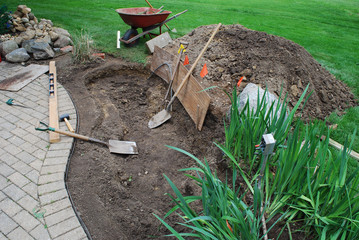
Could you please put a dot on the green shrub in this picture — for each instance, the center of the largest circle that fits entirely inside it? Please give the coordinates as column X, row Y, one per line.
column 4, row 20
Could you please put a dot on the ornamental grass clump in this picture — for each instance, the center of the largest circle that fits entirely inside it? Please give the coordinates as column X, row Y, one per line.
column 224, row 216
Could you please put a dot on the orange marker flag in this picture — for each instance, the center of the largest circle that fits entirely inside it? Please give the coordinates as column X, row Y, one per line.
column 239, row 82
column 204, row 71
column 186, row 61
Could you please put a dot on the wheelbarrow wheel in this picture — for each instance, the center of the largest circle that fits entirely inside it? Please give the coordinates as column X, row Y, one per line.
column 130, row 33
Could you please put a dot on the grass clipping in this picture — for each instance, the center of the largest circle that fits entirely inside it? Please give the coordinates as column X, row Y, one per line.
column 84, row 48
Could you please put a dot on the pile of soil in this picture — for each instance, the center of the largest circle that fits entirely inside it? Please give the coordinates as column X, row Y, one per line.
column 116, row 195
column 267, row 60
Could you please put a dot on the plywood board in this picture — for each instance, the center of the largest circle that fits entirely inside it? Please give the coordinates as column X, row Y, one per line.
column 193, row 99
column 23, row 77
column 53, row 112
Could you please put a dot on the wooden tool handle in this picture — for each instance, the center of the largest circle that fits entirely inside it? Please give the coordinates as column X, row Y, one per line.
column 149, row 4
column 195, row 63
column 69, row 125
column 74, row 135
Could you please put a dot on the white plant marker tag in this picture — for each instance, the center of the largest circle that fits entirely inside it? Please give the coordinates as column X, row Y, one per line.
column 118, row 39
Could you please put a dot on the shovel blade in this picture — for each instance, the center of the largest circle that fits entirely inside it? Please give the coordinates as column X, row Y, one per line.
column 122, row 147
column 159, row 119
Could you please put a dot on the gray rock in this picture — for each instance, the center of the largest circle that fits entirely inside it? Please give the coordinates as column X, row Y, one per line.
column 42, row 50
column 28, row 34
column 63, row 41
column 19, row 40
column 250, row 93
column 18, row 55
column 24, row 20
column 54, row 36
column 31, row 16
column 61, row 31
column 32, row 22
column 27, row 45
column 7, row 47
column 45, row 39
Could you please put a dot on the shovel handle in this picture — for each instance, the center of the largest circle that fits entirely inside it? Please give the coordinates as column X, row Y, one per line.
column 194, row 64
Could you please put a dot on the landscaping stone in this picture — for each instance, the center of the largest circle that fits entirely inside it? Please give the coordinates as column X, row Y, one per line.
column 63, row 41
column 250, row 94
column 42, row 50
column 17, row 56
column 61, row 31
column 7, row 47
column 27, row 44
column 29, row 34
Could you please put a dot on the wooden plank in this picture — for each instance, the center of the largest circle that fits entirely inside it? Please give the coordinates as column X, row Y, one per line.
column 23, row 77
column 53, row 112
column 193, row 100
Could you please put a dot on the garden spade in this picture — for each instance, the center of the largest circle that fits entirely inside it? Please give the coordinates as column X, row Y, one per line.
column 165, row 115
column 115, row 146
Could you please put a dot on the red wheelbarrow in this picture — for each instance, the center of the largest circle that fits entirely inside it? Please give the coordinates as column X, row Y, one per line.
column 143, row 17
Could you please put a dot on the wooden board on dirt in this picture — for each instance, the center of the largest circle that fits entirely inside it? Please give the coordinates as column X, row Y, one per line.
column 193, row 99
column 23, row 77
column 53, row 112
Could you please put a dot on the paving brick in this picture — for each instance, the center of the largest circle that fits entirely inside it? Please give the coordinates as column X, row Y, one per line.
column 17, row 141
column 40, row 233
column 6, row 224
column 75, row 234
column 3, row 142
column 50, row 187
column 60, row 146
column 26, row 157
column 5, row 134
column 53, row 169
column 5, row 170
column 28, row 203
column 37, row 165
column 11, row 118
column 4, row 182
column 60, row 216
column 2, row 196
column 40, row 154
column 48, row 178
column 26, row 220
column 18, row 179
column 31, row 189
column 9, row 207
column 55, row 160
column 57, row 153
column 56, row 207
column 33, row 176
column 53, row 196
column 22, row 167
column 28, row 147
column 8, row 126
column 2, row 237
column 14, row 192
column 22, row 124
column 19, row 233
column 31, row 138
column 8, row 158
column 12, row 149
column 64, row 227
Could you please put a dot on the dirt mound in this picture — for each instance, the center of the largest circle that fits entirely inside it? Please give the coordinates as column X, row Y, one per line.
column 268, row 61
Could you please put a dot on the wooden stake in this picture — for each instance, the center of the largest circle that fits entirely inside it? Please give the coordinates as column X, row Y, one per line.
column 53, row 113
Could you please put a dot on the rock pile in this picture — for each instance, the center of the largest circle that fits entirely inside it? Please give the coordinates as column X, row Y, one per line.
column 32, row 37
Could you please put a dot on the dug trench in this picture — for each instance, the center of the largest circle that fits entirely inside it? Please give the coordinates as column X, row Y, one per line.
column 116, row 195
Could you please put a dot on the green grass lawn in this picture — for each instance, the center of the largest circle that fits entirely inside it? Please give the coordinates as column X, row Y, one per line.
column 329, row 30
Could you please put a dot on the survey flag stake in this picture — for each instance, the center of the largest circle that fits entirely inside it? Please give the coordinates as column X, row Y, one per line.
column 186, row 61
column 204, row 71
column 181, row 47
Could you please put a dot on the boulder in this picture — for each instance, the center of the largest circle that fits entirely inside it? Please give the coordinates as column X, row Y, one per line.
column 7, row 47
column 17, row 56
column 63, row 41
column 27, row 45
column 250, row 93
column 46, row 39
column 28, row 34
column 61, row 31
column 42, row 50
column 19, row 40
column 54, row 36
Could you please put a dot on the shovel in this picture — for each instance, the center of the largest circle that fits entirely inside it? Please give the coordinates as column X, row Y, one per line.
column 165, row 115
column 115, row 146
